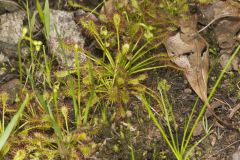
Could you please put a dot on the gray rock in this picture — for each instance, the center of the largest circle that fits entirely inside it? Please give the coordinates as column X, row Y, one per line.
column 8, row 5
column 234, row 65
column 8, row 50
column 223, row 61
column 11, row 88
column 3, row 58
column 11, row 27
column 64, row 29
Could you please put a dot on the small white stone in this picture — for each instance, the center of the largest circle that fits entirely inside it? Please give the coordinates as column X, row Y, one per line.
column 223, row 61
column 129, row 113
column 187, row 91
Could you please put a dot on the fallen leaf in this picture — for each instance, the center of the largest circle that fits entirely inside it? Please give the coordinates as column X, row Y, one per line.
column 190, row 52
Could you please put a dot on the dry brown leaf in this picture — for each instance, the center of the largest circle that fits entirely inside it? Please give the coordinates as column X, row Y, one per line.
column 191, row 50
column 191, row 54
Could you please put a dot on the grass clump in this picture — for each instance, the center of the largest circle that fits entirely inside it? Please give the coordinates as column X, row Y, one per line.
column 70, row 106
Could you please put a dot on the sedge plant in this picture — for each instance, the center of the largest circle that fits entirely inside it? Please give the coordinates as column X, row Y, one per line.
column 182, row 149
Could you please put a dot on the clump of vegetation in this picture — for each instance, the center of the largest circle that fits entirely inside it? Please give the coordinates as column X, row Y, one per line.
column 180, row 144
column 121, row 71
column 60, row 115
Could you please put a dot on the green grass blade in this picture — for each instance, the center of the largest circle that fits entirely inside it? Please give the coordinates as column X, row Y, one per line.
column 13, row 123
column 47, row 68
column 165, row 137
column 46, row 13
column 136, row 54
column 132, row 153
column 141, row 53
column 188, row 153
column 187, row 126
column 89, row 104
column 149, row 68
column 77, row 64
column 74, row 100
column 97, row 60
column 145, row 63
column 40, row 10
column 48, row 109
column 31, row 23
column 33, row 20
column 167, row 118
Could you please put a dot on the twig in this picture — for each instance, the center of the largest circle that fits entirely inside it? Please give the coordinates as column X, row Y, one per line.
column 217, row 18
column 233, row 111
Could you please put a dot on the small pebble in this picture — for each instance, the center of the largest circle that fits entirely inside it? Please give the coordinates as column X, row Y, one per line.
column 129, row 113
column 226, row 81
column 199, row 129
column 213, row 78
column 223, row 61
column 235, row 64
column 188, row 91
